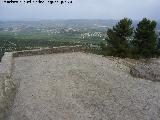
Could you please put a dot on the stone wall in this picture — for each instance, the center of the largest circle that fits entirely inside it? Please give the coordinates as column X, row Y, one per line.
column 149, row 71
column 63, row 49
column 7, row 87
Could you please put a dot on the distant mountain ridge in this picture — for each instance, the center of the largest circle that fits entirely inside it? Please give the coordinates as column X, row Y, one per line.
column 72, row 22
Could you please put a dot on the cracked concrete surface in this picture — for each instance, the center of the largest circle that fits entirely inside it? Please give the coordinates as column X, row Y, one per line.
column 80, row 86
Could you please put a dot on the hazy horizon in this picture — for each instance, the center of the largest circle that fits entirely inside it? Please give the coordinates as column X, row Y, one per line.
column 82, row 9
column 39, row 19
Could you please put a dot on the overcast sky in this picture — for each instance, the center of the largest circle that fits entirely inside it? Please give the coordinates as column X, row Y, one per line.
column 83, row 9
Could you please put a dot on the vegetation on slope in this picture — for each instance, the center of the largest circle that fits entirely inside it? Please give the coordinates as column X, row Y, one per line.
column 123, row 41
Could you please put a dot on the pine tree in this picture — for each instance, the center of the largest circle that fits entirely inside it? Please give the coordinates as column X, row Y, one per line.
column 145, row 39
column 117, row 40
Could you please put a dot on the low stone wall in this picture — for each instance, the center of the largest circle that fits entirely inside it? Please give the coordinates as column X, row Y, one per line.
column 146, row 71
column 7, row 87
column 63, row 49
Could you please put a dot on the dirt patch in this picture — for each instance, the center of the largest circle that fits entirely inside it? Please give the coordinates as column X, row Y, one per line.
column 79, row 86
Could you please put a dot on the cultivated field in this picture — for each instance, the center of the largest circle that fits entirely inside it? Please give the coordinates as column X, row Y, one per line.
column 80, row 86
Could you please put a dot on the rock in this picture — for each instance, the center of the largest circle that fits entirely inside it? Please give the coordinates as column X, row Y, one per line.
column 146, row 71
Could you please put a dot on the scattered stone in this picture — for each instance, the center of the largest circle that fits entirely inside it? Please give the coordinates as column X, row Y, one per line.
column 150, row 71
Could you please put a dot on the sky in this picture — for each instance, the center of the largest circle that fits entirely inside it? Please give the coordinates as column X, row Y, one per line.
column 82, row 9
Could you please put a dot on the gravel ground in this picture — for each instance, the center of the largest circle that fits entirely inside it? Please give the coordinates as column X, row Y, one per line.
column 79, row 86
column 1, row 67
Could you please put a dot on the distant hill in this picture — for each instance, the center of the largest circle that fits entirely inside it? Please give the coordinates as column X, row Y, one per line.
column 73, row 23
column 158, row 25
column 76, row 22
